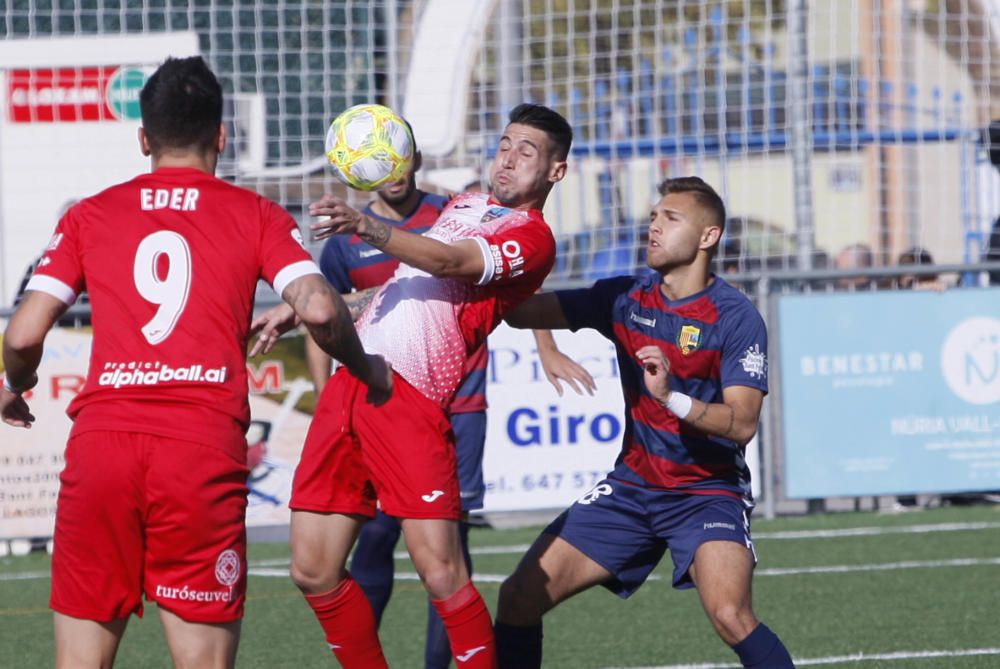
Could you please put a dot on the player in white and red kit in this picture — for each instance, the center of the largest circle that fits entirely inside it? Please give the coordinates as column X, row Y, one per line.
column 153, row 496
column 351, row 264
column 482, row 257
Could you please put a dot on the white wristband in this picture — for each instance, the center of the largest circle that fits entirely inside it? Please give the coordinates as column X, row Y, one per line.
column 679, row 404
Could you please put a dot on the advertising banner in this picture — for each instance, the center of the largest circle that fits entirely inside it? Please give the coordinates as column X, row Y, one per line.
column 71, row 95
column 69, row 114
column 31, row 460
column 544, row 451
column 890, row 392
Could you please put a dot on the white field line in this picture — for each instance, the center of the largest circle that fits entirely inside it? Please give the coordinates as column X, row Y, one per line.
column 775, row 571
column 279, row 569
column 855, row 657
column 261, row 567
column 885, row 566
column 520, row 549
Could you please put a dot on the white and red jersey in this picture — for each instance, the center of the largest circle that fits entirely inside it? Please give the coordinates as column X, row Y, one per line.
column 427, row 326
column 170, row 261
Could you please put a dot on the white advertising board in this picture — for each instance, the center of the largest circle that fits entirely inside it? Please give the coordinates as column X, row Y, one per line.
column 69, row 114
column 543, row 451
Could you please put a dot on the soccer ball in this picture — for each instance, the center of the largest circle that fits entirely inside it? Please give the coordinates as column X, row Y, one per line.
column 369, row 146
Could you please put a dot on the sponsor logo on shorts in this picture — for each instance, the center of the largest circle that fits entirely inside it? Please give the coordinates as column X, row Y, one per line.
column 227, row 567
column 596, row 493
column 118, row 374
column 719, row 526
column 434, row 494
column 186, row 594
column 469, row 654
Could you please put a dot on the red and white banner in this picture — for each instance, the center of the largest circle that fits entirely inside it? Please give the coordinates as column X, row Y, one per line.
column 52, row 95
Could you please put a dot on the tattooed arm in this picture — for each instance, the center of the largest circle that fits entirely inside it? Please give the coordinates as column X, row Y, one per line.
column 314, row 302
column 358, row 301
column 735, row 418
column 317, row 360
column 461, row 260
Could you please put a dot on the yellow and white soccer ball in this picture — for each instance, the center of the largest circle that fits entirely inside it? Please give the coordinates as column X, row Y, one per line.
column 369, row 146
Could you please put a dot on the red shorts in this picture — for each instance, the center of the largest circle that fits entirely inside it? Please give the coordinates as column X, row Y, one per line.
column 401, row 453
column 138, row 514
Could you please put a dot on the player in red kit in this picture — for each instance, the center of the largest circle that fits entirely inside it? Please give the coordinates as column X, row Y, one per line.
column 483, row 256
column 350, row 263
column 153, row 495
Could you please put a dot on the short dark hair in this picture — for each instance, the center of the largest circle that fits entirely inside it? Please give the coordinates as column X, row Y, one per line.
column 547, row 120
column 916, row 255
column 181, row 105
column 705, row 194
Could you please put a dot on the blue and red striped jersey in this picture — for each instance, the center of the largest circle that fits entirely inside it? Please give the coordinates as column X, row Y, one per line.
column 349, row 263
column 713, row 339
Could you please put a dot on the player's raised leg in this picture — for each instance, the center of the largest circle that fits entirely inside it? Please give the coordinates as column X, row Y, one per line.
column 86, row 643
column 722, row 571
column 436, row 549
column 200, row 645
column 552, row 571
column 320, row 545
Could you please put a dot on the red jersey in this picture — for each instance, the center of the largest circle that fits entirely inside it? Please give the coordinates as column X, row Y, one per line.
column 170, row 261
column 428, row 327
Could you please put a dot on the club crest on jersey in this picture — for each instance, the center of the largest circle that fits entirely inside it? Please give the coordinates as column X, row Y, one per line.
column 689, row 339
column 494, row 213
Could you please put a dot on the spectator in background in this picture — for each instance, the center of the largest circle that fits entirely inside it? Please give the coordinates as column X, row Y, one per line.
column 918, row 256
column 855, row 257
column 731, row 256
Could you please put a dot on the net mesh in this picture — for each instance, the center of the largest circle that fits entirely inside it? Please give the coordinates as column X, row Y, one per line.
column 822, row 124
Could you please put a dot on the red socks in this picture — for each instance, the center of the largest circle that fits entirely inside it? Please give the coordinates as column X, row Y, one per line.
column 347, row 619
column 470, row 630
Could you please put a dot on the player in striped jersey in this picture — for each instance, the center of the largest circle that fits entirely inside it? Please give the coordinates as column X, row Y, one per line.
column 692, row 353
column 352, row 264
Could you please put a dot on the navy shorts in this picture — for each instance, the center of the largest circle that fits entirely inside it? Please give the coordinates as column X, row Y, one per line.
column 626, row 529
column 470, row 436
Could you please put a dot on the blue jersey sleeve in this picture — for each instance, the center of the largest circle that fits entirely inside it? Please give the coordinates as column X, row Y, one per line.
column 744, row 351
column 333, row 264
column 594, row 307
